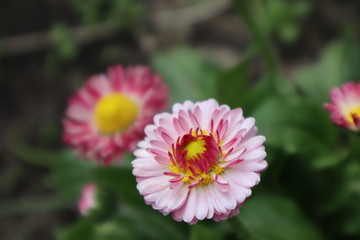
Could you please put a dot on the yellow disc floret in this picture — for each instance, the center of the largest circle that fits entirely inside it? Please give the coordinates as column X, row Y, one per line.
column 196, row 158
column 114, row 113
column 354, row 111
column 189, row 177
column 194, row 148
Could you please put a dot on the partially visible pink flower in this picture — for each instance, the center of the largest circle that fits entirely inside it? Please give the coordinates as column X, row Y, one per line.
column 345, row 105
column 107, row 116
column 88, row 199
column 200, row 161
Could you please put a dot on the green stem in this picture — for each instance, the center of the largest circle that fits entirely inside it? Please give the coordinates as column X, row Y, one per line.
column 253, row 14
column 240, row 229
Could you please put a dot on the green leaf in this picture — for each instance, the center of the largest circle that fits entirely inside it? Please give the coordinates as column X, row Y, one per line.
column 300, row 127
column 233, row 84
column 351, row 224
column 155, row 224
column 151, row 221
column 283, row 17
column 270, row 119
column 35, row 156
column 125, row 13
column 252, row 97
column 344, row 191
column 276, row 12
column 122, row 181
column 89, row 10
column 348, row 219
column 206, row 230
column 354, row 143
column 317, row 80
column 273, row 217
column 82, row 229
column 121, row 13
column 116, row 229
column 289, row 32
column 351, row 71
column 326, row 158
column 69, row 174
column 188, row 74
column 65, row 45
column 301, row 7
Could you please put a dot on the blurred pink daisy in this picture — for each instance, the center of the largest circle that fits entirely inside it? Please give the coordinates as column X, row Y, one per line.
column 199, row 162
column 88, row 199
column 107, row 116
column 345, row 105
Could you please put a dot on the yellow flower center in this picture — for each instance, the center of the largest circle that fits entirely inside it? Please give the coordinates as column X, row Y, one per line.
column 114, row 113
column 354, row 111
column 196, row 157
column 194, row 148
column 189, row 176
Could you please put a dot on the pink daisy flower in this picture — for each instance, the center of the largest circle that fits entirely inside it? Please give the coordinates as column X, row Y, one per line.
column 107, row 116
column 200, row 161
column 88, row 199
column 345, row 105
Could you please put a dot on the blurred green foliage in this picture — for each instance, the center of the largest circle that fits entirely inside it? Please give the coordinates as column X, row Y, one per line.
column 65, row 45
column 188, row 74
column 121, row 13
column 283, row 17
column 313, row 173
column 281, row 219
column 311, row 189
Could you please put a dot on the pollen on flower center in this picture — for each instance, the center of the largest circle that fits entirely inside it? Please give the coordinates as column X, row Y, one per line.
column 196, row 158
column 114, row 113
column 194, row 148
column 354, row 112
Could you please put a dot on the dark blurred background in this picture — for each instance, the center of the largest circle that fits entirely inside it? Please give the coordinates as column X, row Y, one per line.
column 49, row 47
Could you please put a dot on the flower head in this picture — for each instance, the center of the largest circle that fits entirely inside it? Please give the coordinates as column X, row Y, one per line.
column 107, row 116
column 88, row 199
column 345, row 105
column 200, row 161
